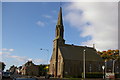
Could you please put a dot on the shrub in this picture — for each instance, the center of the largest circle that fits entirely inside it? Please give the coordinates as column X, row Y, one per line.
column 117, row 75
column 93, row 75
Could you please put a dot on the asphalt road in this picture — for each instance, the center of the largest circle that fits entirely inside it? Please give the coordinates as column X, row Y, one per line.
column 62, row 79
column 43, row 78
column 7, row 79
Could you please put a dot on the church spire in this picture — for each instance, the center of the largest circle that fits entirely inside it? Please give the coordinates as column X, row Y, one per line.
column 60, row 22
column 60, row 28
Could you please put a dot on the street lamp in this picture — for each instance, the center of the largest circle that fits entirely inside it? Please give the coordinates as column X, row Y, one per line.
column 103, row 67
column 113, row 70
column 84, row 63
column 47, row 59
column 47, row 54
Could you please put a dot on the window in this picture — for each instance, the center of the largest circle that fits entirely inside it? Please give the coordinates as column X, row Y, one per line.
column 90, row 68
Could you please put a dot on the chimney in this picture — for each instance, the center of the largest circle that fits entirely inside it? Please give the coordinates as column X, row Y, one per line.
column 94, row 46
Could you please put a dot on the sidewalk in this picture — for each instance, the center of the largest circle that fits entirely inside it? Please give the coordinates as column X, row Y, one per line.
column 76, row 79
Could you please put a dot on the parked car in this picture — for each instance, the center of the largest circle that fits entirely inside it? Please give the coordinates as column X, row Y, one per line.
column 6, row 74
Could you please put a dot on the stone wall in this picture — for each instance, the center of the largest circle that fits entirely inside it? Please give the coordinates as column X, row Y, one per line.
column 32, row 70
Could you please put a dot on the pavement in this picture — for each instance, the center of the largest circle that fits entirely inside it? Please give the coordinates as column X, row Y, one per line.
column 75, row 79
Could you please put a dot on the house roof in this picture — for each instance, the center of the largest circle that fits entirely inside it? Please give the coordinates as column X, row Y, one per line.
column 72, row 52
column 29, row 63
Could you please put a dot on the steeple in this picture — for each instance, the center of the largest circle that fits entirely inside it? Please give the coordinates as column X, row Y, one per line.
column 58, row 41
column 60, row 21
column 59, row 26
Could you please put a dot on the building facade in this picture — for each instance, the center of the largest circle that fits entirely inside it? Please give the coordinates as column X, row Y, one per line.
column 67, row 60
column 30, row 69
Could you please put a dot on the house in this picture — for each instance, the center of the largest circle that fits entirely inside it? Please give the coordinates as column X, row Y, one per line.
column 30, row 69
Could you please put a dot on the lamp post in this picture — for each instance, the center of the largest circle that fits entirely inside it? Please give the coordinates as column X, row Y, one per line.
column 84, row 63
column 103, row 67
column 113, row 70
column 47, row 54
column 47, row 59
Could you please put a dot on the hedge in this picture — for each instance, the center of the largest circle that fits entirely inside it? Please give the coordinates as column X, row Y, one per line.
column 93, row 75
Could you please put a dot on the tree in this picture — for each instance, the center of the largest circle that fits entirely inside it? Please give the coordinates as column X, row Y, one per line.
column 110, row 55
column 2, row 66
column 43, row 69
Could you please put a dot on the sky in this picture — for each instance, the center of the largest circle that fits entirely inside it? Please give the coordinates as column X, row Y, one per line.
column 29, row 26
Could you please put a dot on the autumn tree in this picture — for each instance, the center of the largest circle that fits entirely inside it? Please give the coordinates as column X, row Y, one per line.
column 110, row 55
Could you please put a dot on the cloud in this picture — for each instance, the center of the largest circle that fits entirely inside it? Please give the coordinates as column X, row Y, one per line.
column 2, row 53
column 5, row 49
column 38, row 61
column 18, row 58
column 24, row 59
column 99, row 20
column 30, row 59
column 11, row 49
column 47, row 16
column 40, row 23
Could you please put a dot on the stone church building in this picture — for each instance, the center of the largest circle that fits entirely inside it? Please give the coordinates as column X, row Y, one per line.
column 67, row 60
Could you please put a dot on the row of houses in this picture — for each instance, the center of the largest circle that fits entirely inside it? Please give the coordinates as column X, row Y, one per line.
column 29, row 68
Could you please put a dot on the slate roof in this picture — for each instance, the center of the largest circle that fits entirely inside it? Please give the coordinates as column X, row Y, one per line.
column 72, row 52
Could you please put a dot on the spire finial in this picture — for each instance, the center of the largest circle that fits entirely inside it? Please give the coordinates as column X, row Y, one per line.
column 60, row 22
column 60, row 3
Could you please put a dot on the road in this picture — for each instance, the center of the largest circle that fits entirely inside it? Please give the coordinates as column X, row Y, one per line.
column 63, row 79
column 74, row 79
column 7, row 79
column 43, row 78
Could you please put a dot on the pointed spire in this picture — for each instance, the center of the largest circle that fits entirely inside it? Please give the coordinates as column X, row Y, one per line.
column 60, row 22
